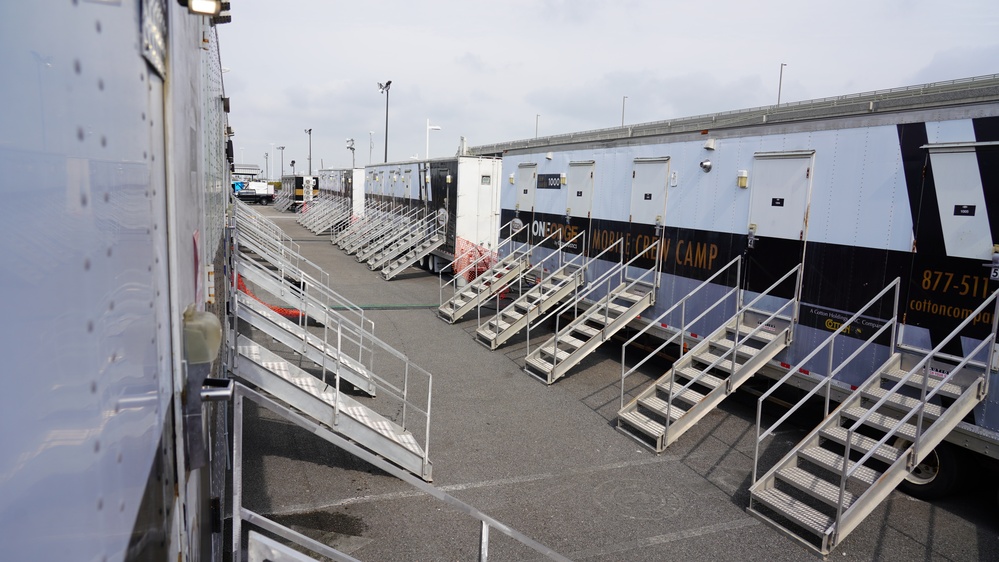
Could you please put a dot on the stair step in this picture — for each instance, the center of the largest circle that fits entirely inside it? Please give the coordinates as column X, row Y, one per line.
column 583, row 328
column 831, row 461
column 689, row 396
column 661, row 406
column 885, row 453
column 629, row 296
column 725, row 348
column 881, row 421
column 949, row 390
column 550, row 350
column 643, row 423
column 799, row 512
column 814, row 486
column 539, row 363
column 761, row 334
column 707, row 379
column 931, row 411
column 569, row 340
column 709, row 357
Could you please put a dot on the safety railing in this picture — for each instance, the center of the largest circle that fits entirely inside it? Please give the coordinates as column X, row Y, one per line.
column 412, row 237
column 608, row 281
column 399, row 219
column 508, row 245
column 685, row 326
column 373, row 211
column 393, row 233
column 545, row 273
column 832, row 370
column 738, row 318
column 243, row 515
column 372, row 221
column 917, row 411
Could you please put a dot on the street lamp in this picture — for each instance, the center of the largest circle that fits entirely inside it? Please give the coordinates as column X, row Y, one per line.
column 430, row 128
column 371, row 145
column 267, row 166
column 293, row 167
column 281, row 148
column 309, row 131
column 537, row 119
column 350, row 147
column 780, row 81
column 384, row 89
column 623, row 100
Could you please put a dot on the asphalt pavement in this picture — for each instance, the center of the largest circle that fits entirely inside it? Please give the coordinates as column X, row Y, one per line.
column 548, row 461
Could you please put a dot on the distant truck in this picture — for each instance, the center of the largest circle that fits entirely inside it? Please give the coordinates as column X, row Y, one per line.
column 259, row 192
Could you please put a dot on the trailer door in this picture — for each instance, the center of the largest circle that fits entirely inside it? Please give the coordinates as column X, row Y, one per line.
column 526, row 183
column 579, row 197
column 648, row 190
column 780, row 186
column 961, row 201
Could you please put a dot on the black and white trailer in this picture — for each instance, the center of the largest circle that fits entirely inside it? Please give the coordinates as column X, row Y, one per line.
column 846, row 246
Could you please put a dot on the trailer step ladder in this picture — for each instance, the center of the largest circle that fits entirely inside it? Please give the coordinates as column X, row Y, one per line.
column 699, row 381
column 334, row 410
column 586, row 332
column 416, row 253
column 538, row 300
column 504, row 272
column 840, row 472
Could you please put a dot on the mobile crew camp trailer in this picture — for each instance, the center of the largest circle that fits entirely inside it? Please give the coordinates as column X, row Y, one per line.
column 460, row 194
column 768, row 241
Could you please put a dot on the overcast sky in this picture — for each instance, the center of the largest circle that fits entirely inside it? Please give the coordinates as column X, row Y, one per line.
column 486, row 70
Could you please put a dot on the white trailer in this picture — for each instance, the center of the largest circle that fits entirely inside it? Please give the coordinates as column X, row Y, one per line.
column 836, row 245
column 463, row 192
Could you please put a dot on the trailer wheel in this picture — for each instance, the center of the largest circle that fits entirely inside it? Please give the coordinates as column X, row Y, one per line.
column 936, row 477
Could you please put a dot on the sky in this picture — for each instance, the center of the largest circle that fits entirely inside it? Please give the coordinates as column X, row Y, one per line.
column 502, row 71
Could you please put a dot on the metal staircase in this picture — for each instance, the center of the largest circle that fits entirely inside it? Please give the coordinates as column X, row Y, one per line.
column 837, row 475
column 405, row 241
column 548, row 291
column 325, row 214
column 428, row 240
column 714, row 368
column 486, row 280
column 374, row 213
column 341, row 348
column 398, row 231
column 624, row 299
column 384, row 224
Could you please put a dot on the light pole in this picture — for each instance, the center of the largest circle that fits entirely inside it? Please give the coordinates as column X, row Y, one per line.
column 623, row 101
column 430, row 128
column 293, row 167
column 537, row 119
column 267, row 166
column 384, row 88
column 309, row 131
column 350, row 147
column 281, row 148
column 780, row 81
column 272, row 154
column 371, row 144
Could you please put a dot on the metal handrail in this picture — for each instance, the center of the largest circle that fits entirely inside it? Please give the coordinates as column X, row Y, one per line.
column 832, row 372
column 735, row 340
column 378, row 219
column 924, row 397
column 539, row 286
column 406, row 238
column 386, row 225
column 682, row 303
column 460, row 274
column 540, row 264
column 620, row 270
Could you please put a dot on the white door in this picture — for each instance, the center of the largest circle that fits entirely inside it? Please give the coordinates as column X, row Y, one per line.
column 526, row 183
column 780, row 184
column 961, row 201
column 648, row 190
column 579, row 196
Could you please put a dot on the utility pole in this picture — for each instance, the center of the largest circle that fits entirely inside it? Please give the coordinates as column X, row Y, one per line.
column 623, row 100
column 281, row 148
column 309, row 131
column 780, row 81
column 384, row 88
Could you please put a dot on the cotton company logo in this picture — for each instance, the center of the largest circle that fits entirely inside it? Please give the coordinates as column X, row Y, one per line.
column 833, row 325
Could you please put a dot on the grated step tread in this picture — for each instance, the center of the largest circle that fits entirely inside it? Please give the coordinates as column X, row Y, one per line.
column 831, row 461
column 662, row 407
column 799, row 512
column 689, row 396
column 643, row 423
column 931, row 411
column 814, row 486
column 885, row 453
column 880, row 421
column 949, row 390
column 706, row 379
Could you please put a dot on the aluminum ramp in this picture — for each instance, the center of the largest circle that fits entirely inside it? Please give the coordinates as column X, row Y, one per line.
column 538, row 300
column 334, row 410
column 499, row 276
column 300, row 340
column 415, row 254
column 713, row 369
column 886, row 428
